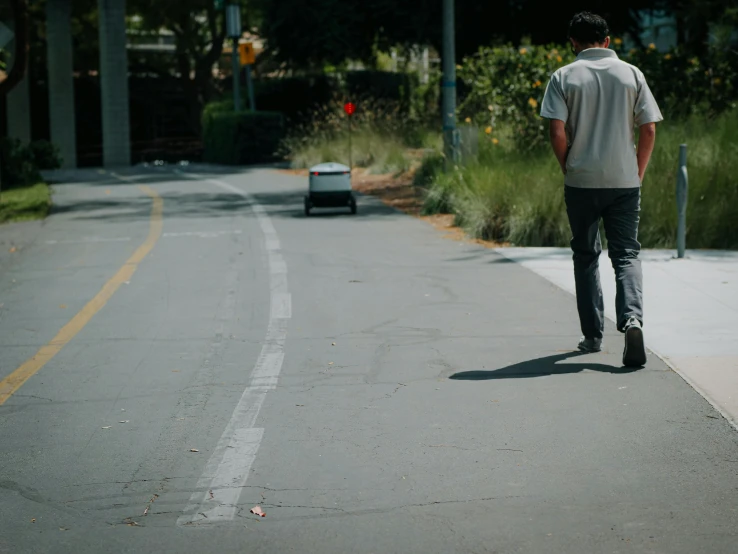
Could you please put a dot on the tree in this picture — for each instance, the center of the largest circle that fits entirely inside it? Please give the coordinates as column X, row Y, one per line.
column 697, row 18
column 335, row 30
column 19, row 14
column 199, row 32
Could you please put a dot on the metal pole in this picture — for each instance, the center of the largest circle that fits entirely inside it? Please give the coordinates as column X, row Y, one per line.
column 681, row 194
column 450, row 135
column 250, row 86
column 236, row 77
column 233, row 30
column 350, row 160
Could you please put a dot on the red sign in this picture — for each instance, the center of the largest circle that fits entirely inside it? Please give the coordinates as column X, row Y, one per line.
column 349, row 108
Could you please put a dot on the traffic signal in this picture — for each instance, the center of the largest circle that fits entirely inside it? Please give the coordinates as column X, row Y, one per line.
column 246, row 53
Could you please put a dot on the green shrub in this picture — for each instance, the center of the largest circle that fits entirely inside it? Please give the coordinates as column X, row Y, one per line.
column 505, row 86
column 684, row 84
column 241, row 138
column 216, row 107
column 45, row 154
column 430, row 166
column 18, row 165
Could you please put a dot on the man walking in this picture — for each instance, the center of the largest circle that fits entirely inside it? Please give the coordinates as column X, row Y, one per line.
column 594, row 105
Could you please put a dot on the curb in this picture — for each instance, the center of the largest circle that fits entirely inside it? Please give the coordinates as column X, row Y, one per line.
column 733, row 422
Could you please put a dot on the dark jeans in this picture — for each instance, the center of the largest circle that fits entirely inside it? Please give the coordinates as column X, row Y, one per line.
column 620, row 211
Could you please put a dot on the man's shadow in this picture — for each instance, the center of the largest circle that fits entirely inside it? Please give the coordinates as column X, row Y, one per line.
column 540, row 367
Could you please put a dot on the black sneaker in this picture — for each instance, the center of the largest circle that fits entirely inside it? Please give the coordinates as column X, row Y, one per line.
column 634, row 354
column 589, row 345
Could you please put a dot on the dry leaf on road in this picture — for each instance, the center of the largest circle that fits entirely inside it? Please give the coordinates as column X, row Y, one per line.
column 194, row 450
column 257, row 511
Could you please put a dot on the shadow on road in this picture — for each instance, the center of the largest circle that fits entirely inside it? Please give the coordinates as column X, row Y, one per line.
column 287, row 204
column 540, row 367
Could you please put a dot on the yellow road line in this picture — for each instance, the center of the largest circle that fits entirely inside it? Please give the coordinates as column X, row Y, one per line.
column 30, row 367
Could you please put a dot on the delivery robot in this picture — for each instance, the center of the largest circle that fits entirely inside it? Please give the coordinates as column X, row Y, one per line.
column 330, row 187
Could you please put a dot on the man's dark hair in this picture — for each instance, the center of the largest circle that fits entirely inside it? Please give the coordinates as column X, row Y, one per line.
column 588, row 28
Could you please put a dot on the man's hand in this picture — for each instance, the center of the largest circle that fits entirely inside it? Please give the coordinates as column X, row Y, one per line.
column 557, row 134
column 646, row 141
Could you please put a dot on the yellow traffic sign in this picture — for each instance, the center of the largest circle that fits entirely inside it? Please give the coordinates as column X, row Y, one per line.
column 246, row 53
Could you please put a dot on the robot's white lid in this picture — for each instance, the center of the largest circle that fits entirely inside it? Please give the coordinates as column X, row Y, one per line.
column 329, row 167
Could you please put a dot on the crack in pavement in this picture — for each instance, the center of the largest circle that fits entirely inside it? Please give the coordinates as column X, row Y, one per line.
column 391, row 394
column 370, row 511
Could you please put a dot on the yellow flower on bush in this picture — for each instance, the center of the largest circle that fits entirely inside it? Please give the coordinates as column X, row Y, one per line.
column 652, row 46
column 555, row 51
column 632, row 51
column 536, row 84
column 495, row 141
column 559, row 59
column 618, row 41
column 717, row 80
column 533, row 103
column 667, row 57
column 523, row 51
column 468, row 120
column 488, row 130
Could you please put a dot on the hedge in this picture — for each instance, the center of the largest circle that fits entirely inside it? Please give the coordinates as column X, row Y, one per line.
column 20, row 163
column 231, row 138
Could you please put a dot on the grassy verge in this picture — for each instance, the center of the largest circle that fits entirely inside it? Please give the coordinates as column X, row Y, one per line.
column 21, row 204
column 379, row 151
column 517, row 197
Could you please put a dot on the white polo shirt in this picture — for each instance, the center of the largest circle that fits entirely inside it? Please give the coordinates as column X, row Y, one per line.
column 601, row 99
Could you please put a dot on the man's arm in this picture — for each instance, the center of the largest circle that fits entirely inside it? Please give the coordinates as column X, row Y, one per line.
column 646, row 141
column 557, row 134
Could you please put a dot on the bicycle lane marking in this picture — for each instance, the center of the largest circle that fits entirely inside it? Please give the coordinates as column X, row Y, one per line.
column 219, row 488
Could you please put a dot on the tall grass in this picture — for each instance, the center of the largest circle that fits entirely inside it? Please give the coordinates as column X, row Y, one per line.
column 379, row 152
column 380, row 138
column 712, row 164
column 517, row 197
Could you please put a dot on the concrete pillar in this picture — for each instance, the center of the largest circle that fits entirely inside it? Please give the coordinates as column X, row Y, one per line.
column 19, row 111
column 61, row 81
column 114, row 83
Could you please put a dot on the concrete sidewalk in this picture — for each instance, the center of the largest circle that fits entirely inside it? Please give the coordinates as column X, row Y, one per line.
column 691, row 312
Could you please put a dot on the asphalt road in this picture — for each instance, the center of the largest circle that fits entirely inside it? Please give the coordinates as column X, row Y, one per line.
column 371, row 385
